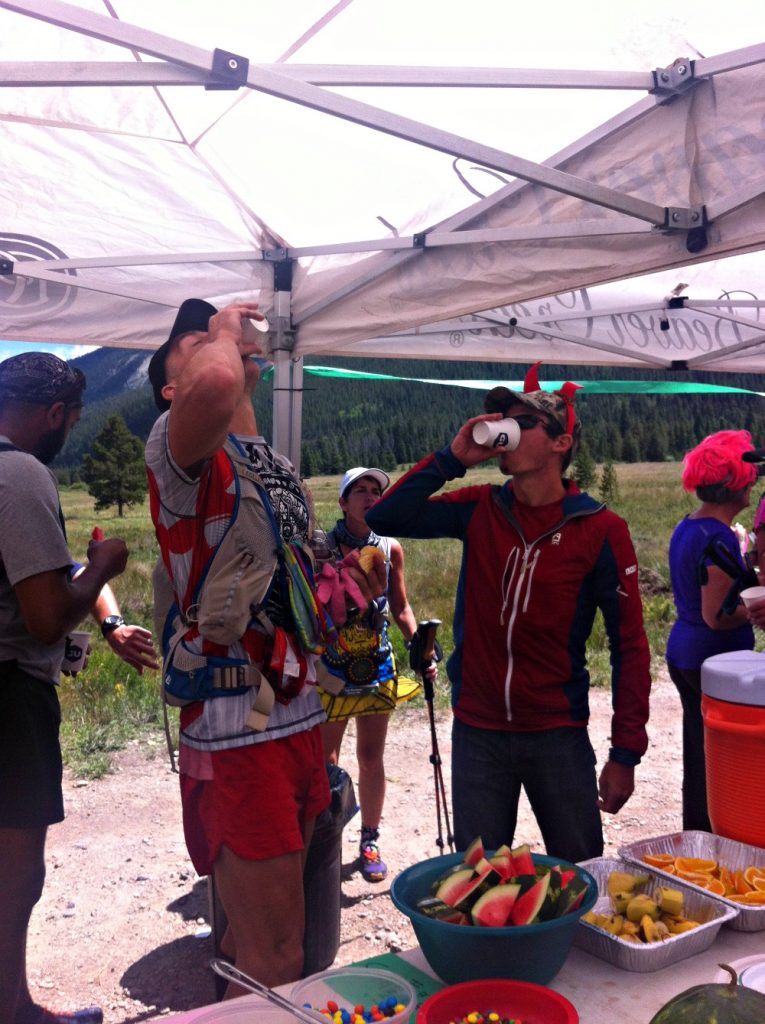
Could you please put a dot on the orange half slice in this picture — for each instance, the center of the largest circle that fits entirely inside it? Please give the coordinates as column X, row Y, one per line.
column 659, row 860
column 752, row 873
column 695, row 864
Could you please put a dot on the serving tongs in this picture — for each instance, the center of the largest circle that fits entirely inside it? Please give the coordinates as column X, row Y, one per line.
column 231, row 973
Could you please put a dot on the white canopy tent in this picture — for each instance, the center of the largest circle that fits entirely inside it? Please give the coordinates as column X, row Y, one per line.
column 371, row 200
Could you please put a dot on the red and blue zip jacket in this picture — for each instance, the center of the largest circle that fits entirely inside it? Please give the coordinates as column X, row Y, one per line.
column 524, row 610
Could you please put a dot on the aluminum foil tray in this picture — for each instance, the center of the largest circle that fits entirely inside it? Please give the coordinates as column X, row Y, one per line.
column 653, row 956
column 732, row 854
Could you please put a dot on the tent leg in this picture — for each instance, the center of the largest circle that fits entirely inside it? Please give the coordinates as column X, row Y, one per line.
column 288, row 372
column 288, row 405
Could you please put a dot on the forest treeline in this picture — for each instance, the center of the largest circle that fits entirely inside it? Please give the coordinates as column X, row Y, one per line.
column 387, row 423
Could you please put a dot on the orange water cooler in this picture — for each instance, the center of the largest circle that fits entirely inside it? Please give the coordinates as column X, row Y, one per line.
column 733, row 708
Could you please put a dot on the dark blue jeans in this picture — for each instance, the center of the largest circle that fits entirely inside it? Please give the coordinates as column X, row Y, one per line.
column 555, row 767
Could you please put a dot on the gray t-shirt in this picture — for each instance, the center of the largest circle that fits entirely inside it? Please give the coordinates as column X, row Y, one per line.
column 31, row 541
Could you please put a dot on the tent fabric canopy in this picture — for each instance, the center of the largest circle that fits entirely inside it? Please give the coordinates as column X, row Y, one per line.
column 383, row 184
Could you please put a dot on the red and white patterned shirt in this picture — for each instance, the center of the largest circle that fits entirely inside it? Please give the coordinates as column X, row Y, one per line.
column 190, row 517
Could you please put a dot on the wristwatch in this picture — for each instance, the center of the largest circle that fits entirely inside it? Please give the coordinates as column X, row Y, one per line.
column 110, row 623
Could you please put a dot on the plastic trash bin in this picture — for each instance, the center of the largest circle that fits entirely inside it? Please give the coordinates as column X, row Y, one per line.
column 321, row 882
column 733, row 709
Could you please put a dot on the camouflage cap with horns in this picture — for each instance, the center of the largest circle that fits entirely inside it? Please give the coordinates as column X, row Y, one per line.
column 557, row 405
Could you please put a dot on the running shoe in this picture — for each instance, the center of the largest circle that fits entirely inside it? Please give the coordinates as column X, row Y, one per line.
column 90, row 1015
column 373, row 867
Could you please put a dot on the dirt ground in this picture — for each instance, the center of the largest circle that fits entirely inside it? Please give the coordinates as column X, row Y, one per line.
column 122, row 922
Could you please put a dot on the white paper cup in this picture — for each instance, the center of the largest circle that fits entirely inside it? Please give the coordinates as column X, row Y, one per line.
column 504, row 435
column 75, row 652
column 752, row 595
column 257, row 332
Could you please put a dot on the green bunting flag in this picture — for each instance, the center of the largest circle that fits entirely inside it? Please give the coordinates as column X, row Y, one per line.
column 590, row 387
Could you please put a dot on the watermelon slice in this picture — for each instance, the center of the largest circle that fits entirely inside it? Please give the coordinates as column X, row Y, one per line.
column 454, row 886
column 482, row 880
column 523, row 863
column 482, row 865
column 503, row 865
column 525, row 881
column 447, row 874
column 431, row 906
column 474, row 852
column 549, row 908
column 527, row 906
column 572, row 896
column 492, row 910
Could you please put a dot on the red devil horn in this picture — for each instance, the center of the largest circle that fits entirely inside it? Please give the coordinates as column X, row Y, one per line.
column 567, row 393
column 531, row 380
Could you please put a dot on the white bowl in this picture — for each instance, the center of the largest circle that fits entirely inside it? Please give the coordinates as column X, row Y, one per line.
column 244, row 1010
column 753, row 976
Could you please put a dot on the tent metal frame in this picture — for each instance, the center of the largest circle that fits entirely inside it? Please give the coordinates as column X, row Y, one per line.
column 179, row 64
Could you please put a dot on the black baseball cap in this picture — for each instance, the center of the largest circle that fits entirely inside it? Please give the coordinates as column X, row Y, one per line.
column 193, row 315
column 40, row 378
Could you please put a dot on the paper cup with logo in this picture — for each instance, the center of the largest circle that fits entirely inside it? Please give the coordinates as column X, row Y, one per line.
column 752, row 595
column 75, row 652
column 503, row 435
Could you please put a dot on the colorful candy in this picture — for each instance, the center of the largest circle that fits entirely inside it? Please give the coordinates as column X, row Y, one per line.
column 486, row 1017
column 359, row 1014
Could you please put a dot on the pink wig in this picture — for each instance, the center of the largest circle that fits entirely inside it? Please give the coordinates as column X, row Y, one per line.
column 717, row 461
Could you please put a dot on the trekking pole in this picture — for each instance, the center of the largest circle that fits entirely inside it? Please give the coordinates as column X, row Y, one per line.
column 425, row 643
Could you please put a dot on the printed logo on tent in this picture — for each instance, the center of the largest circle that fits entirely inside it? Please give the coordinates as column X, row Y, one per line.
column 27, row 294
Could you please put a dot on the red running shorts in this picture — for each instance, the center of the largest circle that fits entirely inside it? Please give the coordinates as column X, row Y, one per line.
column 258, row 800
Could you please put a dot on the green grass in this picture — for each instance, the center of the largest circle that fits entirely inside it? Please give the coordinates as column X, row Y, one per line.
column 110, row 704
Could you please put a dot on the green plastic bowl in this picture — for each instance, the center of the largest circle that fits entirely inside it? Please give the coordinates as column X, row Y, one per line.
column 532, row 952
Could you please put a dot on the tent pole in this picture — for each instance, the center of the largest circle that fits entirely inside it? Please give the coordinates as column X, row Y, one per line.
column 285, row 439
column 296, row 412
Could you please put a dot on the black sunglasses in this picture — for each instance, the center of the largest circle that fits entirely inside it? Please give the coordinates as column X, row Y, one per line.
column 527, row 421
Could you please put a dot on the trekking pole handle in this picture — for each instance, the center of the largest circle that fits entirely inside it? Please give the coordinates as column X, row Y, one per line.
column 424, row 652
column 427, row 630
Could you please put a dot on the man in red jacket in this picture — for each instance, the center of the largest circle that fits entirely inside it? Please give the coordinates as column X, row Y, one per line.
column 539, row 558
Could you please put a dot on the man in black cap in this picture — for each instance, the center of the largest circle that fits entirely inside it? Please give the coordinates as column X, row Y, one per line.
column 253, row 778
column 540, row 557
column 40, row 402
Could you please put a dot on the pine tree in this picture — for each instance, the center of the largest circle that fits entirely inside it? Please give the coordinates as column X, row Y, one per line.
column 583, row 467
column 630, row 452
column 114, row 471
column 609, row 485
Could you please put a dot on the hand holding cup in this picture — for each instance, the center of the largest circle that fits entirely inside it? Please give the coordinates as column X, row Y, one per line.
column 470, row 451
column 754, row 602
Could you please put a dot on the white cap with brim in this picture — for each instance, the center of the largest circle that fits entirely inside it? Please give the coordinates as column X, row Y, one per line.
column 357, row 472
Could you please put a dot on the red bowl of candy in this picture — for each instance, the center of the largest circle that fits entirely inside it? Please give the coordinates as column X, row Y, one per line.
column 497, row 1001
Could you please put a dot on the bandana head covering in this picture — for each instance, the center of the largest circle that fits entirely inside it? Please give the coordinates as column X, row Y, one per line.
column 717, row 461
column 41, row 379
